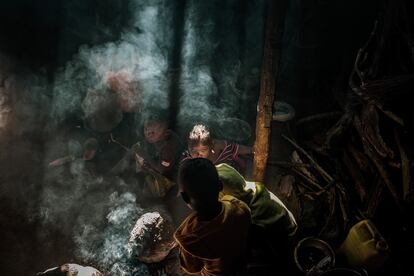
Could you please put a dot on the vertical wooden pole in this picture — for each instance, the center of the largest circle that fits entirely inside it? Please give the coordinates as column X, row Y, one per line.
column 275, row 15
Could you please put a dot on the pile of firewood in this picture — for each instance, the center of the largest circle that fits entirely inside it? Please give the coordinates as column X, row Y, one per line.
column 354, row 166
column 366, row 153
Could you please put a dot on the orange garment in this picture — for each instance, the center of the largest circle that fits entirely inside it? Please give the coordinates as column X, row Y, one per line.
column 215, row 247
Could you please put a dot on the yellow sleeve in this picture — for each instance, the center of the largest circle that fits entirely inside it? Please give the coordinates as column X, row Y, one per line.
column 189, row 263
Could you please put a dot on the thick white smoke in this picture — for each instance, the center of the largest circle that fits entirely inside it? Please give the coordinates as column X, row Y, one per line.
column 219, row 65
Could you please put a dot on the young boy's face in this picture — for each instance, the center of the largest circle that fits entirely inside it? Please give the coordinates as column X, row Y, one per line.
column 200, row 151
column 154, row 131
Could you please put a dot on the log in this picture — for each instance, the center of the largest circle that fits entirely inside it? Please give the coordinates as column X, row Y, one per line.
column 360, row 158
column 375, row 158
column 270, row 62
column 289, row 164
column 305, row 170
column 391, row 115
column 356, row 176
column 317, row 117
column 374, row 198
column 317, row 167
column 371, row 132
column 308, row 179
column 343, row 204
column 338, row 130
column 331, row 196
column 406, row 171
column 301, row 170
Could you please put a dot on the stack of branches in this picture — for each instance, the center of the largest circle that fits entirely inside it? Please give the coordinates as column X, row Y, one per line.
column 366, row 153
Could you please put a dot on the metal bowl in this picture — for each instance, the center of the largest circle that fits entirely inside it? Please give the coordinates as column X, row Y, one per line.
column 311, row 253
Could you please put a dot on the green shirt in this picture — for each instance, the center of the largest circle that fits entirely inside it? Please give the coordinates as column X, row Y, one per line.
column 267, row 210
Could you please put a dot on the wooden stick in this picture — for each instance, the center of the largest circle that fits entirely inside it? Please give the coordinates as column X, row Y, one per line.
column 318, row 117
column 295, row 168
column 374, row 198
column 289, row 164
column 407, row 178
column 372, row 154
column 116, row 142
column 308, row 179
column 267, row 88
column 359, row 157
column 323, row 173
column 370, row 131
column 332, row 201
column 356, row 176
column 341, row 198
column 338, row 129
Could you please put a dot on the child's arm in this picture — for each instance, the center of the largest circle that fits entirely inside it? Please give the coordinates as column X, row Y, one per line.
column 245, row 150
column 219, row 145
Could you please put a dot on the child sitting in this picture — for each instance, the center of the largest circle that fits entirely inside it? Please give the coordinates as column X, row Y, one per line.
column 156, row 156
column 273, row 225
column 267, row 209
column 200, row 144
column 213, row 238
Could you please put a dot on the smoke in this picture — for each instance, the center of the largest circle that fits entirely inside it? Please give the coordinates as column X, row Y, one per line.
column 141, row 54
column 5, row 101
column 5, row 108
column 219, row 75
column 108, row 246
column 221, row 60
column 97, row 212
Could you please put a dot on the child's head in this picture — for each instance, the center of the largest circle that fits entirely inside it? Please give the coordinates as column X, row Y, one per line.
column 155, row 126
column 199, row 183
column 199, row 142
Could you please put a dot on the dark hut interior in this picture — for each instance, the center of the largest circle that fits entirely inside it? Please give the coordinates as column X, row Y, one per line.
column 318, row 90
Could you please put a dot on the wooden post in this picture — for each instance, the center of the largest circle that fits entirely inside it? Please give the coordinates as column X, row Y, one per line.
column 276, row 9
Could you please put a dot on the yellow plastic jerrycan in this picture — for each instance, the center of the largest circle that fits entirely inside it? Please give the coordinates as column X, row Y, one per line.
column 364, row 246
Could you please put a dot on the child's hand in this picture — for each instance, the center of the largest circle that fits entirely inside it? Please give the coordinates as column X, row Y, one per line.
column 139, row 160
column 139, row 163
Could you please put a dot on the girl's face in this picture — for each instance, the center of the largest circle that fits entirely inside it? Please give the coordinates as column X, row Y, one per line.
column 200, row 151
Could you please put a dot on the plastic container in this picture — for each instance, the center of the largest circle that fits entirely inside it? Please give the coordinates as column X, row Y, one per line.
column 364, row 247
